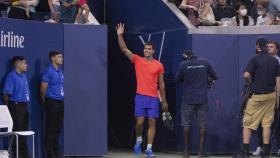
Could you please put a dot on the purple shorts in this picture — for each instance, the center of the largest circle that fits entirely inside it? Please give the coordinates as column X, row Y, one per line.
column 146, row 106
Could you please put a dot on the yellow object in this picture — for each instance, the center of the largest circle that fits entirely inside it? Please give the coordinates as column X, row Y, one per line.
column 259, row 109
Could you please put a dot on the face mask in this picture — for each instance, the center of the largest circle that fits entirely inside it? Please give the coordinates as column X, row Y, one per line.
column 243, row 12
column 260, row 12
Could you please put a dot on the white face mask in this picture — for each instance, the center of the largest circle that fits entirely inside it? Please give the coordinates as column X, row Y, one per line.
column 260, row 12
column 243, row 12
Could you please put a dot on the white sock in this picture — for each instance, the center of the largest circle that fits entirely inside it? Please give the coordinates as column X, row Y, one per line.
column 139, row 139
column 149, row 146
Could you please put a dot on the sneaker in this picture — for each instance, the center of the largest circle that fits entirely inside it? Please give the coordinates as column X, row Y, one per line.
column 278, row 153
column 137, row 149
column 265, row 154
column 258, row 151
column 149, row 153
column 186, row 154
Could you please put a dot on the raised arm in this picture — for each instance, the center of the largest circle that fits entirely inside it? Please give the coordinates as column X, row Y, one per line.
column 51, row 6
column 122, row 44
column 205, row 8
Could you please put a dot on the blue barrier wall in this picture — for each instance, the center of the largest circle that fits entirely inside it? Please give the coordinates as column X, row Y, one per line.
column 79, row 43
column 86, row 90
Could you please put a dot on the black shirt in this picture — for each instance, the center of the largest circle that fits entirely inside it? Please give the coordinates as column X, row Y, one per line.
column 193, row 73
column 227, row 12
column 263, row 69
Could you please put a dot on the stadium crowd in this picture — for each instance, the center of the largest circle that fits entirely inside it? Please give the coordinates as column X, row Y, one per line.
column 230, row 12
column 59, row 11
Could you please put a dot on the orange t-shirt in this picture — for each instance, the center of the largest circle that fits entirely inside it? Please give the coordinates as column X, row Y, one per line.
column 147, row 75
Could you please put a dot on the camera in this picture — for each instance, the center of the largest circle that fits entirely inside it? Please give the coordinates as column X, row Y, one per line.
column 210, row 81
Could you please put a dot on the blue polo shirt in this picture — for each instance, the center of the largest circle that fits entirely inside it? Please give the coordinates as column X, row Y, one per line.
column 16, row 86
column 194, row 74
column 55, row 80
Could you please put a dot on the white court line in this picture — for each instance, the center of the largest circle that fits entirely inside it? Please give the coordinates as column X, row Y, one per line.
column 149, row 39
column 161, row 47
column 142, row 40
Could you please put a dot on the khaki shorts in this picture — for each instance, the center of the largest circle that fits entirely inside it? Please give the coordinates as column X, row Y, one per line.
column 259, row 109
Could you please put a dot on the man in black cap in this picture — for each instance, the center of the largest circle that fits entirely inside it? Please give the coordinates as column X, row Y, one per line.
column 193, row 72
column 262, row 73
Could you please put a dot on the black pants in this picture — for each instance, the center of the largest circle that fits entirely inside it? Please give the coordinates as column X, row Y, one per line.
column 17, row 13
column 276, row 126
column 54, row 111
column 20, row 116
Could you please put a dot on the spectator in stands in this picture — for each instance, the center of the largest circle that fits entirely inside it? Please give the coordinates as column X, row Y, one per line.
column 242, row 18
column 277, row 21
column 248, row 3
column 32, row 5
column 190, row 9
column 223, row 10
column 273, row 6
column 19, row 10
column 83, row 6
column 68, row 11
column 272, row 19
column 55, row 9
column 3, row 8
column 206, row 16
column 262, row 12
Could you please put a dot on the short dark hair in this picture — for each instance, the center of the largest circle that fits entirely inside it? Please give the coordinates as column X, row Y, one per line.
column 262, row 42
column 275, row 43
column 187, row 54
column 54, row 53
column 149, row 44
column 17, row 58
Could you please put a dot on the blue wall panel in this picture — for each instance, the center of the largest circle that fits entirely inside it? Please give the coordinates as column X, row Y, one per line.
column 85, row 123
column 39, row 39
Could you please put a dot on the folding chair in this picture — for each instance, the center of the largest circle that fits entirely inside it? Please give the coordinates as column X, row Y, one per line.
column 6, row 121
